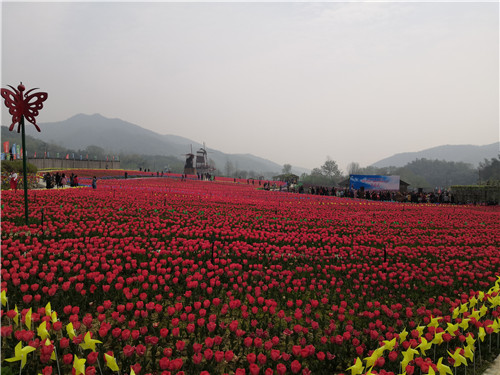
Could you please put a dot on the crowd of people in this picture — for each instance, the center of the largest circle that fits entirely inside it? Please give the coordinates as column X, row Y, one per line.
column 60, row 180
column 440, row 196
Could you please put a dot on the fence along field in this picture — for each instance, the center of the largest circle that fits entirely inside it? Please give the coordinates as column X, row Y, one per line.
column 158, row 276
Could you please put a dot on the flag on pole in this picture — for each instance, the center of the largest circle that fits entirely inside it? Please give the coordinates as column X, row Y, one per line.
column 6, row 147
column 13, row 151
column 81, row 157
column 19, row 151
column 35, row 154
column 67, row 156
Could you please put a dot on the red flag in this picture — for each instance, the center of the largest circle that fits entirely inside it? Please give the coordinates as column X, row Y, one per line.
column 6, row 147
column 67, row 156
column 35, row 154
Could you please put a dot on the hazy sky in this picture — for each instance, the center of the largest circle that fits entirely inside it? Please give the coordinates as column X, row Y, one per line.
column 290, row 82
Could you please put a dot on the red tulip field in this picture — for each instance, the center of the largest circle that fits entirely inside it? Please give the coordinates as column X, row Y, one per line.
column 163, row 276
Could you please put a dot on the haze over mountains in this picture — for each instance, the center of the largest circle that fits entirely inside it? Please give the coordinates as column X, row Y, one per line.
column 115, row 136
column 465, row 153
column 118, row 136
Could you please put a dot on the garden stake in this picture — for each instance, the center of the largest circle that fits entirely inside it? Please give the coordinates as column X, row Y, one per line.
column 57, row 361
column 99, row 364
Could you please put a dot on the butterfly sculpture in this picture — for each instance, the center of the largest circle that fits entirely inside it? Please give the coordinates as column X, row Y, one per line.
column 20, row 105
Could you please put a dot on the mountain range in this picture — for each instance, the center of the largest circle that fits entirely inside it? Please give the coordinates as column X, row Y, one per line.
column 118, row 136
column 458, row 153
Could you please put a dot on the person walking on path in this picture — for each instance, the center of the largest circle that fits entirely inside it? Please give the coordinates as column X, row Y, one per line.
column 94, row 183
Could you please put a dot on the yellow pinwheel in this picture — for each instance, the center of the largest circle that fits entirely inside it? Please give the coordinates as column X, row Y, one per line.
column 463, row 308
column 70, row 330
column 494, row 326
column 455, row 312
column 480, row 296
column 27, row 319
column 481, row 334
column 111, row 362
column 468, row 353
column 377, row 353
column 475, row 314
column 132, row 372
column 431, row 371
column 48, row 309
column 452, row 328
column 434, row 322
column 443, row 369
column 438, row 338
column 16, row 317
column 494, row 301
column 470, row 340
column 402, row 336
column 21, row 354
column 3, row 297
column 464, row 324
column 53, row 355
column 420, row 330
column 42, row 330
column 79, row 365
column 473, row 301
column 408, row 357
column 458, row 358
column 89, row 342
column 389, row 345
column 53, row 317
column 424, row 346
column 357, row 368
column 483, row 310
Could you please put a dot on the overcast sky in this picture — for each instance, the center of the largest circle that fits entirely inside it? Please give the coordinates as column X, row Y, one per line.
column 290, row 82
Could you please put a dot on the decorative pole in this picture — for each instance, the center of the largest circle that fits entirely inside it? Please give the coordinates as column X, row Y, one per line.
column 21, row 107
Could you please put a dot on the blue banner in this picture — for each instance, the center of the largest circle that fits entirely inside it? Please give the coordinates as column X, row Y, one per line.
column 373, row 182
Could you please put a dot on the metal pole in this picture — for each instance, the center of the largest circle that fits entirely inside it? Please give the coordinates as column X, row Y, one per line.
column 25, row 174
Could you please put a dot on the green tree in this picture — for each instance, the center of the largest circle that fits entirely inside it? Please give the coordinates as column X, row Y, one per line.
column 489, row 170
column 287, row 169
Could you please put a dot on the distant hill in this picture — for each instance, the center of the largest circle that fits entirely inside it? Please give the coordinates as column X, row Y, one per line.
column 458, row 153
column 118, row 136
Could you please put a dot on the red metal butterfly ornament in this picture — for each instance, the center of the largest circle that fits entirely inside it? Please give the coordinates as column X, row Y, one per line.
column 20, row 105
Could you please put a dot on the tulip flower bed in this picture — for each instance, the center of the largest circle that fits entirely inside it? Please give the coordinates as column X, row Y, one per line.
column 163, row 276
